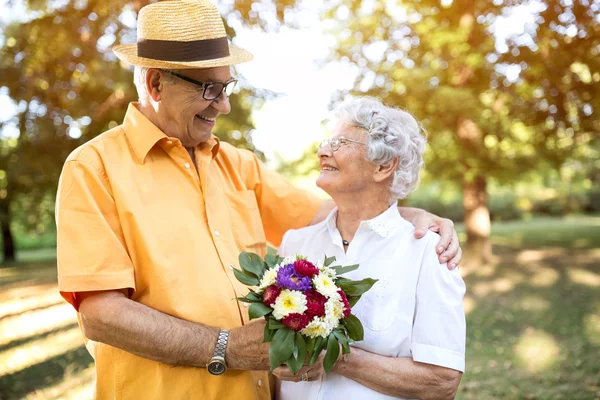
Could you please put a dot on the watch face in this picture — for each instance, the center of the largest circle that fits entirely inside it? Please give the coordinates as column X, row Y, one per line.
column 216, row 368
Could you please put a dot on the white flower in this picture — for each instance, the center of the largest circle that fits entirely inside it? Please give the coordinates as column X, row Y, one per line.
column 334, row 311
column 268, row 279
column 289, row 302
column 316, row 327
column 325, row 285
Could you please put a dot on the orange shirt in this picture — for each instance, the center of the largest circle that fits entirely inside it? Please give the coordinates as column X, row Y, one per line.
column 133, row 212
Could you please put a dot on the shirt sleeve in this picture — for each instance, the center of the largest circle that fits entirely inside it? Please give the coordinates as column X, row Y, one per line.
column 282, row 205
column 91, row 250
column 439, row 327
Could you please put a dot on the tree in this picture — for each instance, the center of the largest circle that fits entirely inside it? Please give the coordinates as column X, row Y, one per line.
column 442, row 62
column 69, row 87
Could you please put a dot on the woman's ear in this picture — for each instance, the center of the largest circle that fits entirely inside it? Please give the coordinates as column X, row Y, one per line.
column 154, row 84
column 383, row 172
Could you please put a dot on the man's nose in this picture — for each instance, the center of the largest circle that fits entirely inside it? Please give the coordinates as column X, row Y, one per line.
column 221, row 103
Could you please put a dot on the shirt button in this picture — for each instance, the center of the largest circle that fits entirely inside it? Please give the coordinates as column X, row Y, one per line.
column 259, row 383
column 231, row 266
column 246, row 304
column 169, row 142
column 187, row 165
column 217, row 233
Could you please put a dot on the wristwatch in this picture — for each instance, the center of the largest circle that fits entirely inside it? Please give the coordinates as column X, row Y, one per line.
column 216, row 365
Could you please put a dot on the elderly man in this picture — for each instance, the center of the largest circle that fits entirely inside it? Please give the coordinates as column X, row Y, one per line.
column 153, row 214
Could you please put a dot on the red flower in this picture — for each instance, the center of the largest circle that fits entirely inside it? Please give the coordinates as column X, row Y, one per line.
column 271, row 294
column 296, row 321
column 305, row 268
column 315, row 303
column 346, row 304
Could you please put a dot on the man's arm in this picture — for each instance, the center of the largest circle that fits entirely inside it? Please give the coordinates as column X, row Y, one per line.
column 110, row 317
column 448, row 248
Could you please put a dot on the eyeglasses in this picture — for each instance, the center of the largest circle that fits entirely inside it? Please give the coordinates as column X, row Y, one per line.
column 338, row 142
column 210, row 90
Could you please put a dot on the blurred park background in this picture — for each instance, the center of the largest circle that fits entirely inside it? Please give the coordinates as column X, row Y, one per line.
column 507, row 90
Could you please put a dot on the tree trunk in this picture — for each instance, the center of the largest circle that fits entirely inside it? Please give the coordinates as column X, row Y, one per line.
column 477, row 221
column 7, row 237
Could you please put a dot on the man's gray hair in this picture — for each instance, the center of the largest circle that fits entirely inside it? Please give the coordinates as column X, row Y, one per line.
column 391, row 133
column 139, row 79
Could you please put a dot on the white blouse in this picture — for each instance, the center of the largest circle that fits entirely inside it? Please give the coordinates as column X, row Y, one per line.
column 414, row 310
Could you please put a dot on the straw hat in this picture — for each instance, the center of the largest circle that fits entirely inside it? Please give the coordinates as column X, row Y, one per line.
column 178, row 34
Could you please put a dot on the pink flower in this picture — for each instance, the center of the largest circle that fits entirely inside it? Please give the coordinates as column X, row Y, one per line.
column 315, row 303
column 296, row 321
column 346, row 304
column 305, row 268
column 271, row 294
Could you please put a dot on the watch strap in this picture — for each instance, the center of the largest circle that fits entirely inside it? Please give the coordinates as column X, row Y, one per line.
column 221, row 344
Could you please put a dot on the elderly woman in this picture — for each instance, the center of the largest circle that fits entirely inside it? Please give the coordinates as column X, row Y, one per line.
column 414, row 341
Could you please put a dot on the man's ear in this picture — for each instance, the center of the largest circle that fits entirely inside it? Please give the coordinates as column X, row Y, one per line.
column 383, row 172
column 154, row 84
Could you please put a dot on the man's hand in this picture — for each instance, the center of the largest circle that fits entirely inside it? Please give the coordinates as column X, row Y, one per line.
column 246, row 349
column 448, row 248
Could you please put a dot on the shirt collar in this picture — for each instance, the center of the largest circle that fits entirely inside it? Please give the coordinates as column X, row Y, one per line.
column 383, row 224
column 143, row 135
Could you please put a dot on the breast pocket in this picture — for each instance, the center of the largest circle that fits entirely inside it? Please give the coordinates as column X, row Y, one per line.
column 246, row 222
column 380, row 305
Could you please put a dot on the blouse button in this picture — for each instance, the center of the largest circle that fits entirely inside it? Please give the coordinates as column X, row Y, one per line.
column 259, row 383
column 187, row 165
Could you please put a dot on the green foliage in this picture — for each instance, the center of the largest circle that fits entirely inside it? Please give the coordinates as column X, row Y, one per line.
column 258, row 309
column 298, row 355
column 251, row 263
column 282, row 347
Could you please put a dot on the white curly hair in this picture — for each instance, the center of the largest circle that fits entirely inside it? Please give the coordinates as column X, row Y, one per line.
column 391, row 133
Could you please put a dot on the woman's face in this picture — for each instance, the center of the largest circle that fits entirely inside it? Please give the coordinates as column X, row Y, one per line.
column 346, row 170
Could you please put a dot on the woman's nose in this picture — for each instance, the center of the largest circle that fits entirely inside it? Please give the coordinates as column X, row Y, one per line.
column 324, row 151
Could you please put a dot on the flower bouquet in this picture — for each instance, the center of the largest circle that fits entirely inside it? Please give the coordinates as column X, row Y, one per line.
column 307, row 307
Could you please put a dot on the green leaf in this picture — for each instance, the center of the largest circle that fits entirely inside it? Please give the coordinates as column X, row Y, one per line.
column 269, row 333
column 333, row 352
column 246, row 279
column 243, row 299
column 339, row 270
column 319, row 344
column 257, row 310
column 274, row 324
column 343, row 339
column 254, row 296
column 328, row 260
column 354, row 327
column 357, row 288
column 271, row 260
column 310, row 344
column 271, row 251
column 352, row 300
column 252, row 263
column 299, row 354
column 281, row 347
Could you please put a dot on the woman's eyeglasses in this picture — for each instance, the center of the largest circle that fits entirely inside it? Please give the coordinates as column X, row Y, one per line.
column 210, row 90
column 338, row 142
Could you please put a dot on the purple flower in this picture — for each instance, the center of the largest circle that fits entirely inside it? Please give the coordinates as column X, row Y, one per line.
column 288, row 278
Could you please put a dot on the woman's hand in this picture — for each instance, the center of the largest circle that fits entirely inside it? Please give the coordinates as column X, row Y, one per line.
column 448, row 248
column 308, row 373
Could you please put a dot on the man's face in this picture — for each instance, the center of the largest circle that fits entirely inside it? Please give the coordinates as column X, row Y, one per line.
column 182, row 111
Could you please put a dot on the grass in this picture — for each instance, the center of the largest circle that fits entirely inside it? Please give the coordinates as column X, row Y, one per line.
column 533, row 319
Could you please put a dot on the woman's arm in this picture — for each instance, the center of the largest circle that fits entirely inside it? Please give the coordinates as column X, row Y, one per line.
column 399, row 376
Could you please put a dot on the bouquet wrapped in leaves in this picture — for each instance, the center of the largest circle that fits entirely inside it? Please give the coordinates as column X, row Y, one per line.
column 307, row 307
